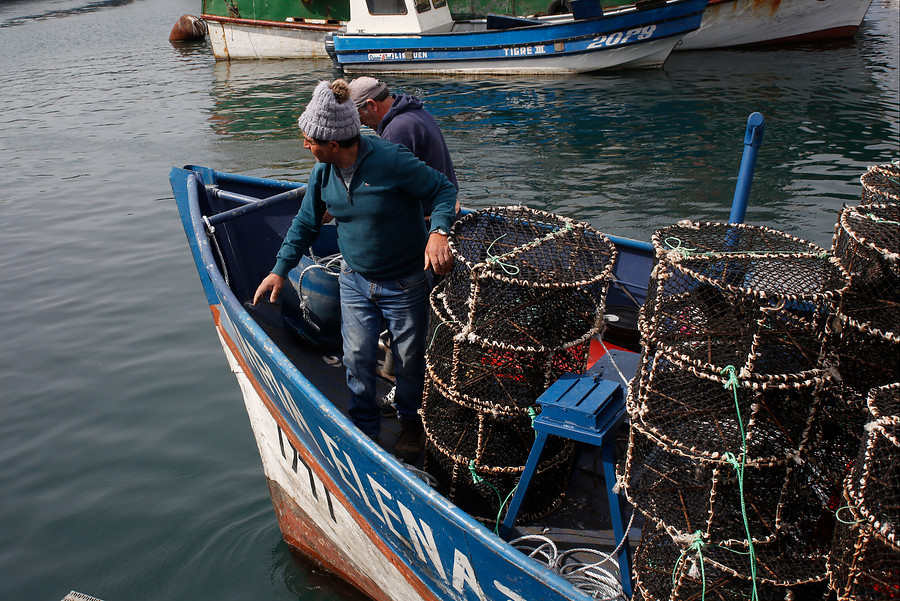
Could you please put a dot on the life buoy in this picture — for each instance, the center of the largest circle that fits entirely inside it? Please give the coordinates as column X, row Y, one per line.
column 559, row 7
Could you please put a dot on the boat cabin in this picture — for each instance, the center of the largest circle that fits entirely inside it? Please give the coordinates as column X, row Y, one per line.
column 392, row 16
column 433, row 16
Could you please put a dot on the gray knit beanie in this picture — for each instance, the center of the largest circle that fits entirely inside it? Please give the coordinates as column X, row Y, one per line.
column 329, row 115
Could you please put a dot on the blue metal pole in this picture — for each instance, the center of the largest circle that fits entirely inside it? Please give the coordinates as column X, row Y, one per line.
column 756, row 126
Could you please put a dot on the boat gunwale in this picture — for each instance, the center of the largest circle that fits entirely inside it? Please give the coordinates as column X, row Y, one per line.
column 274, row 24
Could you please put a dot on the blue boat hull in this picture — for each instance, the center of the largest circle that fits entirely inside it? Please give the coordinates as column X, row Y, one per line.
column 621, row 40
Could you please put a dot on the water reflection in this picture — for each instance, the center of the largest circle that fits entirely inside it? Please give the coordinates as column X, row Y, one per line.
column 58, row 13
column 634, row 151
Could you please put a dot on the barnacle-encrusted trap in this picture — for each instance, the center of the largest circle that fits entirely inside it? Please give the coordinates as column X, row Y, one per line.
column 519, row 310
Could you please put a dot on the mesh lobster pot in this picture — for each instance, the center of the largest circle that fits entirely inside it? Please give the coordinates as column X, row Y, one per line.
column 518, row 310
column 881, row 183
column 527, row 279
column 490, row 376
column 863, row 564
column 751, row 297
column 669, row 571
column 874, row 484
column 478, row 457
column 770, row 419
column 866, row 549
column 687, row 493
column 867, row 243
column 834, row 443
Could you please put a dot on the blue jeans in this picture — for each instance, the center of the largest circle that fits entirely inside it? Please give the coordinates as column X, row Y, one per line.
column 366, row 306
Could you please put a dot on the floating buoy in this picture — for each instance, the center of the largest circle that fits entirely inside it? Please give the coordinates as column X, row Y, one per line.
column 188, row 28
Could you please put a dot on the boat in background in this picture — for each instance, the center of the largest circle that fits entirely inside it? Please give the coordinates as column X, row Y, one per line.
column 728, row 23
column 279, row 29
column 421, row 36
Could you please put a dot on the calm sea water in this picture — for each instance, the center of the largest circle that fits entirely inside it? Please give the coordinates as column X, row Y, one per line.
column 127, row 467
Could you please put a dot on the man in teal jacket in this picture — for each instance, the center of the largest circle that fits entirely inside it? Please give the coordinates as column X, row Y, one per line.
column 374, row 190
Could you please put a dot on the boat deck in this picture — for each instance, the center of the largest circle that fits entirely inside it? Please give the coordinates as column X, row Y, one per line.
column 581, row 521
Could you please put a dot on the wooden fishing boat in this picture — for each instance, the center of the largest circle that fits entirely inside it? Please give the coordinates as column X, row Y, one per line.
column 729, row 23
column 406, row 532
column 340, row 497
column 421, row 36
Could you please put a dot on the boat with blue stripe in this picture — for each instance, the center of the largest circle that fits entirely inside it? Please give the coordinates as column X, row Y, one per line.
column 421, row 36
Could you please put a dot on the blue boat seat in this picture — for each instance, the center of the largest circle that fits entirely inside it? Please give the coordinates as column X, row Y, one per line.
column 508, row 22
column 589, row 409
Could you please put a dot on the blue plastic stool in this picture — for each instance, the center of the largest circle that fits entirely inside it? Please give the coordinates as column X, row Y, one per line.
column 589, row 409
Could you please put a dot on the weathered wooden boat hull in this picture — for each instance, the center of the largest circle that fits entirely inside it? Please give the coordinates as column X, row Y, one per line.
column 623, row 40
column 729, row 23
column 340, row 497
column 237, row 39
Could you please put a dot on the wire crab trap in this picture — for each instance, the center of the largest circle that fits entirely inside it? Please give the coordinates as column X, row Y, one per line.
column 495, row 376
column 881, row 183
column 864, row 559
column 666, row 570
column 867, row 243
column 717, row 413
column 525, row 278
column 479, row 456
column 518, row 310
column 834, row 443
column 747, row 296
column 731, row 502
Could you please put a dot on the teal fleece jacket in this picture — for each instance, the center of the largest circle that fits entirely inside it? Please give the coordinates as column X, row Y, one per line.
column 380, row 225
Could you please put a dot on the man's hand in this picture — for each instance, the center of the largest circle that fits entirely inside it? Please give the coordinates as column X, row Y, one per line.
column 438, row 255
column 271, row 282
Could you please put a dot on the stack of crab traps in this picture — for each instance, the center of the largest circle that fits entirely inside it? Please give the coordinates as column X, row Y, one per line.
column 763, row 446
column 518, row 310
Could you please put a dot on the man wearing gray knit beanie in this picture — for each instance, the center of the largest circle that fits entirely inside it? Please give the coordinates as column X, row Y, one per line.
column 374, row 191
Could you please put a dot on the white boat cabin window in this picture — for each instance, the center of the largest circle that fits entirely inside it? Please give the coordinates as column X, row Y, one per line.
column 386, row 7
column 422, row 6
column 439, row 3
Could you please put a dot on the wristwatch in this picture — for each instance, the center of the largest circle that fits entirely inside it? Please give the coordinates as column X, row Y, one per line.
column 439, row 232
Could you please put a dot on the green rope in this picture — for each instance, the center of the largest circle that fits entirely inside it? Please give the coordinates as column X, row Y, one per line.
column 674, row 243
column 533, row 413
column 512, row 269
column 733, row 384
column 837, row 515
column 878, row 219
column 696, row 545
column 434, row 334
column 477, row 479
column 676, row 246
column 509, row 269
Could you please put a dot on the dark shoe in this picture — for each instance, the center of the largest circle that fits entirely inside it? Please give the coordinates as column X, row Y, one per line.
column 410, row 440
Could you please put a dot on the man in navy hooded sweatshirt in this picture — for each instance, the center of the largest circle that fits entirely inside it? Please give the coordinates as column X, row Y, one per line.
column 402, row 119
